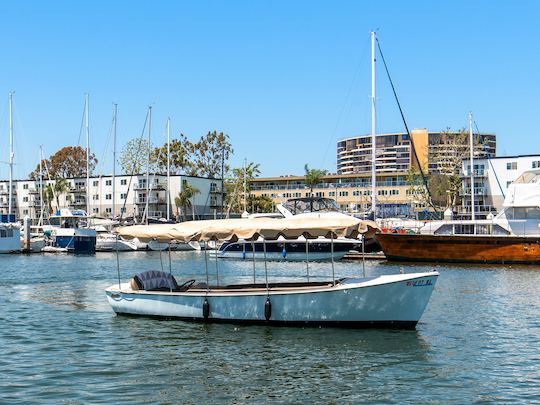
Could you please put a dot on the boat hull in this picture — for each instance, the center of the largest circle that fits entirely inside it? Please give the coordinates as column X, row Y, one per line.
column 395, row 301
column 460, row 248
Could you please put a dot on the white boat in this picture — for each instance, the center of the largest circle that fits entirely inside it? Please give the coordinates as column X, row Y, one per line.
column 175, row 246
column 109, row 242
column 288, row 250
column 297, row 249
column 396, row 301
column 10, row 234
column 68, row 229
column 520, row 215
column 10, row 230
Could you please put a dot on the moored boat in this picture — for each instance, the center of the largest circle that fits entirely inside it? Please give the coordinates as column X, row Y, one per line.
column 512, row 236
column 396, row 301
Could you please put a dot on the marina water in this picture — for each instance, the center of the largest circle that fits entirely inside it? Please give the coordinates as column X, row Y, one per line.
column 478, row 341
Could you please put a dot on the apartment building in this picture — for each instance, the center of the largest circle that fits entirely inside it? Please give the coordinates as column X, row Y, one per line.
column 131, row 200
column 491, row 180
column 435, row 151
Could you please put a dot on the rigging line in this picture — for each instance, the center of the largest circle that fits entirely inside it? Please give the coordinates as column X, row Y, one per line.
column 347, row 99
column 490, row 162
column 133, row 168
column 424, row 179
column 82, row 125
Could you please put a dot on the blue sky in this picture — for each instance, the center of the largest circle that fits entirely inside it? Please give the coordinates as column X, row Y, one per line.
column 285, row 79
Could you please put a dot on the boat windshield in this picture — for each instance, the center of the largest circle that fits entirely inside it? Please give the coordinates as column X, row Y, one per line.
column 313, row 204
column 528, row 177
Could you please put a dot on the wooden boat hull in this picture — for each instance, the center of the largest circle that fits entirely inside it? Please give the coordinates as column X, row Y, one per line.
column 460, row 248
column 396, row 301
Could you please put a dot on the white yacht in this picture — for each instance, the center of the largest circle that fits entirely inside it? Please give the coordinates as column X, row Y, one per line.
column 10, row 234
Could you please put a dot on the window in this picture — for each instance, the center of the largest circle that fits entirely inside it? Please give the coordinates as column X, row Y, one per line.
column 108, row 196
column 108, row 210
column 508, row 184
column 536, row 164
column 511, row 166
column 95, row 183
column 25, row 199
column 95, row 197
column 25, row 212
column 95, row 210
column 108, row 182
column 122, row 210
column 25, row 186
column 123, row 196
column 123, row 182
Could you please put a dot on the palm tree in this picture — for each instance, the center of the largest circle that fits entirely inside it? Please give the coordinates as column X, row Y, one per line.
column 48, row 196
column 313, row 177
column 60, row 186
column 184, row 200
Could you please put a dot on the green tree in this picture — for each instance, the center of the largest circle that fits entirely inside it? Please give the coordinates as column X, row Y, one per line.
column 70, row 161
column 185, row 200
column 260, row 204
column 134, row 156
column 209, row 153
column 234, row 187
column 181, row 156
column 313, row 177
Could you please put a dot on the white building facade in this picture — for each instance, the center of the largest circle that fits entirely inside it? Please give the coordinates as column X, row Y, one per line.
column 491, row 180
column 130, row 200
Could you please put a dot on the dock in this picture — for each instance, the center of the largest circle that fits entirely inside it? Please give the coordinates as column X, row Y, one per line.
column 367, row 256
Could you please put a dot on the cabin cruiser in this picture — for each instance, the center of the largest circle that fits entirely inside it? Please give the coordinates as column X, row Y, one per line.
column 512, row 236
column 386, row 301
column 10, row 234
column 68, row 230
column 298, row 249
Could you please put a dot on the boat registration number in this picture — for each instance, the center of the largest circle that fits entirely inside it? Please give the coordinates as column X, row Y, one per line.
column 419, row 283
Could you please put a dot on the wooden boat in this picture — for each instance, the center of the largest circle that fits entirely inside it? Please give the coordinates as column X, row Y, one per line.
column 513, row 236
column 396, row 301
column 460, row 248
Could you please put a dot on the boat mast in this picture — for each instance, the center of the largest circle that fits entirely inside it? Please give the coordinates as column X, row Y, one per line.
column 114, row 163
column 373, row 135
column 87, row 130
column 148, row 164
column 245, row 185
column 168, row 169
column 10, row 152
column 41, row 185
column 471, row 147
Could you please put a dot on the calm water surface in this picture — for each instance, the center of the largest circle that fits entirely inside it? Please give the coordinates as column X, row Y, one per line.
column 478, row 341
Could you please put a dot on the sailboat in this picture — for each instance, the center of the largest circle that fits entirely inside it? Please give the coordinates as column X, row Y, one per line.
column 10, row 231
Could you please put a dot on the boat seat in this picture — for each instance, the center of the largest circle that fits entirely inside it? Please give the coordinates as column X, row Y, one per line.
column 292, row 284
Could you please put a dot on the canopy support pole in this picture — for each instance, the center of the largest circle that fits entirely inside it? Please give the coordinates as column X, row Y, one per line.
column 253, row 255
column 206, row 266
column 217, row 270
column 161, row 259
column 307, row 259
column 332, row 255
column 117, row 262
column 364, row 255
column 170, row 267
column 265, row 266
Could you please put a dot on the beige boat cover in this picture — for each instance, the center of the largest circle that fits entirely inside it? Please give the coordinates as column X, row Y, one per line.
column 250, row 229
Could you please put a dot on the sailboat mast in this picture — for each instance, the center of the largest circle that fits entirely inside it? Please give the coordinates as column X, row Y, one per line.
column 471, row 147
column 40, row 185
column 168, row 169
column 114, row 163
column 148, row 164
column 245, row 185
column 87, row 130
column 10, row 152
column 373, row 129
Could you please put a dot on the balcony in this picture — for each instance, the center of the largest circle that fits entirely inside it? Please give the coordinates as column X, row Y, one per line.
column 477, row 173
column 6, row 192
column 151, row 200
column 154, row 186
column 77, row 190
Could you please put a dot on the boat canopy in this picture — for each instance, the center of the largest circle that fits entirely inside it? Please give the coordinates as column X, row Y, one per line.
column 251, row 229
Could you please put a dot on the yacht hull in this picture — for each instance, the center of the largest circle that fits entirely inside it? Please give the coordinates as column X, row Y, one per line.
column 460, row 248
column 396, row 301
